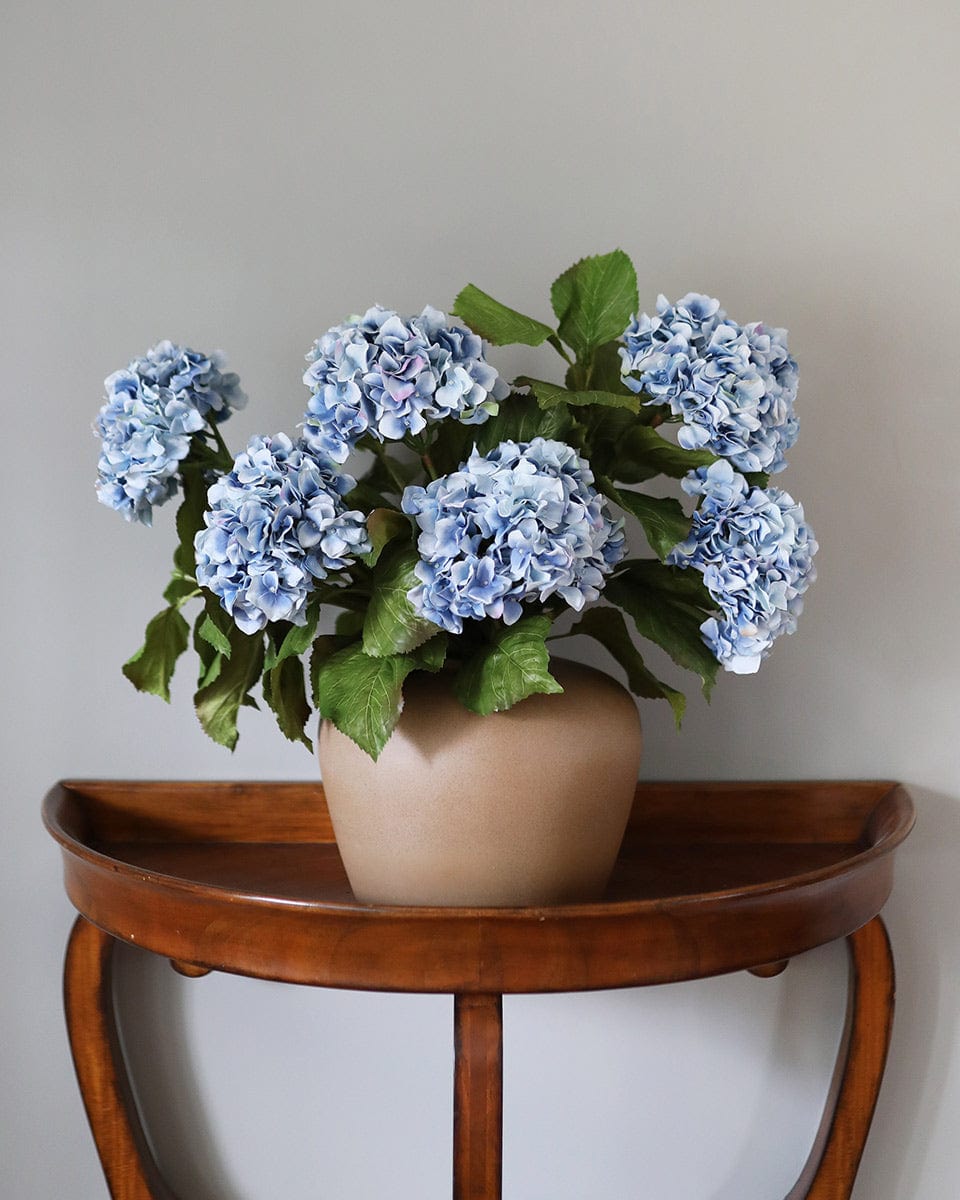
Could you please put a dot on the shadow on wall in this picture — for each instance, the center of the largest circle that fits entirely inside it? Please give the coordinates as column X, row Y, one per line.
column 151, row 1012
column 813, row 995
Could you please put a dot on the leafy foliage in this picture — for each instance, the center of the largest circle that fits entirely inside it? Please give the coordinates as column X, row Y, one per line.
column 522, row 419
column 285, row 692
column 219, row 700
column 665, row 611
column 421, row 424
column 663, row 520
column 383, row 525
column 512, row 665
column 594, row 300
column 496, row 322
column 392, row 625
column 151, row 668
column 607, row 626
column 362, row 695
column 549, row 395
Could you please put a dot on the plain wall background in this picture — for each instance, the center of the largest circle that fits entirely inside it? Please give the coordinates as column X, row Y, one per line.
column 242, row 176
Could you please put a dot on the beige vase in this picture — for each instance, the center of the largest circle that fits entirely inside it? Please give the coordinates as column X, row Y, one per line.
column 524, row 807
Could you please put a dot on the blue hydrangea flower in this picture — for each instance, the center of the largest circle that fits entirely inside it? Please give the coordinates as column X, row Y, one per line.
column 153, row 408
column 196, row 378
column 382, row 375
column 276, row 524
column 755, row 551
column 733, row 386
column 520, row 523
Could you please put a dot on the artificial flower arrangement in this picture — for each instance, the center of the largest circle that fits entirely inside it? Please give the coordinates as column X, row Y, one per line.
column 485, row 513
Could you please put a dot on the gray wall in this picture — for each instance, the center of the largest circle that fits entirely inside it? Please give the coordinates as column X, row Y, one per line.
column 243, row 176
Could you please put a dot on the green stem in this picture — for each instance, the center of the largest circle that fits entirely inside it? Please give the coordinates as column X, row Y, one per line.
column 226, row 458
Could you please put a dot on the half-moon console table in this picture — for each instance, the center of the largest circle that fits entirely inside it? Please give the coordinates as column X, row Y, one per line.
column 246, row 878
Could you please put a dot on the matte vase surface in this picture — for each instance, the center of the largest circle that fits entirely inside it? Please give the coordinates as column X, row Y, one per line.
column 524, row 807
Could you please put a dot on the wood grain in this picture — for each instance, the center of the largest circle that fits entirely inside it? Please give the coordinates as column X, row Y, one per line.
column 831, row 1169
column 478, row 1097
column 128, row 1163
column 174, row 868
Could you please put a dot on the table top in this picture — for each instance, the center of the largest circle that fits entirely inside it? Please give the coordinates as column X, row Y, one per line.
column 246, row 878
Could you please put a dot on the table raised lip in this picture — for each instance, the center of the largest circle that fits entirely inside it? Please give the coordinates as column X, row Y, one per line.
column 885, row 845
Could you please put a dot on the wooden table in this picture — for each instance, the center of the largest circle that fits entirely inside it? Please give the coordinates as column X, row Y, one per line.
column 246, row 878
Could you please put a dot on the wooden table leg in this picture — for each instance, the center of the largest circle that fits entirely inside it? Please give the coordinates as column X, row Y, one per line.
column 831, row 1169
column 128, row 1163
column 478, row 1097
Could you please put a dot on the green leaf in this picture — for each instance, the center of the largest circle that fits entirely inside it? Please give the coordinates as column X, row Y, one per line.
column 667, row 617
column 285, row 693
column 432, row 654
column 323, row 647
column 380, row 481
column 383, row 525
column 453, row 442
column 366, row 497
column 644, row 454
column 210, row 661
column 151, row 668
column 513, row 665
column 392, row 625
column 757, row 479
column 190, row 516
column 594, row 300
column 498, row 324
column 180, row 588
column 683, row 582
column 663, row 519
column 549, row 395
column 354, row 598
column 211, row 632
column 629, row 451
column 605, row 373
column 349, row 624
column 296, row 640
column 219, row 624
column 607, row 626
column 362, row 695
column 521, row 419
column 219, row 701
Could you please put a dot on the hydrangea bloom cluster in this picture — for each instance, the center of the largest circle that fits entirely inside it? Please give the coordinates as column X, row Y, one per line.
column 386, row 376
column 197, row 377
column 519, row 523
column 275, row 524
column 733, row 386
column 756, row 551
column 153, row 408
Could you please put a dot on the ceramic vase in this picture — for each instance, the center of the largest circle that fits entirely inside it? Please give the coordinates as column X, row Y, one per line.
column 519, row 808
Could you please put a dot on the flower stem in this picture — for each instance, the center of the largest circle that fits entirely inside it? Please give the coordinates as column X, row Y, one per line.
column 226, row 458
